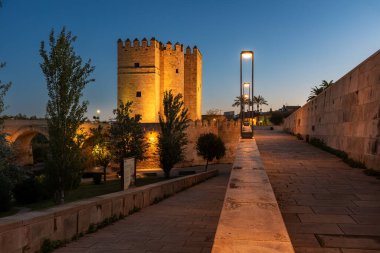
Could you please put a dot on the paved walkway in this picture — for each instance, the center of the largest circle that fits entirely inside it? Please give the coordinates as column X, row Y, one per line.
column 327, row 205
column 185, row 222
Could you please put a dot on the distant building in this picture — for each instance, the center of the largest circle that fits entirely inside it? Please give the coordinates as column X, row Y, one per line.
column 146, row 70
column 289, row 108
column 229, row 115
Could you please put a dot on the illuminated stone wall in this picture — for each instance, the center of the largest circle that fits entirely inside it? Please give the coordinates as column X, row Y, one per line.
column 139, row 72
column 229, row 132
column 346, row 115
column 193, row 82
column 146, row 70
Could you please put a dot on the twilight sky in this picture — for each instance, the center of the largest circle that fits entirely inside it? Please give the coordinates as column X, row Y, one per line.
column 297, row 44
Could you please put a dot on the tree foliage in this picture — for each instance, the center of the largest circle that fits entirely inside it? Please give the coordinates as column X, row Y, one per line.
column 259, row 101
column 100, row 149
column 276, row 118
column 173, row 123
column 66, row 77
column 316, row 90
column 4, row 87
column 214, row 112
column 126, row 135
column 241, row 101
column 5, row 156
column 210, row 146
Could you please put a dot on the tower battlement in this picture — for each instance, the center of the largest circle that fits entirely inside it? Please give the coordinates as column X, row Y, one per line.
column 195, row 51
column 146, row 69
column 144, row 43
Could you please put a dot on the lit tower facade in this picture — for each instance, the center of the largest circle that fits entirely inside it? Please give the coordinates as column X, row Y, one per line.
column 147, row 70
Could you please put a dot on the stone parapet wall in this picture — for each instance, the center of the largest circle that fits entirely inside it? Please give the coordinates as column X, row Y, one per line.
column 250, row 220
column 26, row 232
column 346, row 116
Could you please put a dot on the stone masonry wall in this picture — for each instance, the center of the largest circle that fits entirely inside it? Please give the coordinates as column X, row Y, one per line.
column 144, row 78
column 346, row 115
column 229, row 132
column 26, row 232
column 193, row 83
column 147, row 70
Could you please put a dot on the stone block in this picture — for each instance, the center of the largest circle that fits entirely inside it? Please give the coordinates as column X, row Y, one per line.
column 347, row 241
column 84, row 219
column 14, row 240
column 138, row 200
column 129, row 204
column 117, row 206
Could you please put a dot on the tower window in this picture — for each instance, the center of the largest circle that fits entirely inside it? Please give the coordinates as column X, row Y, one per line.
column 138, row 94
column 137, row 65
column 176, row 70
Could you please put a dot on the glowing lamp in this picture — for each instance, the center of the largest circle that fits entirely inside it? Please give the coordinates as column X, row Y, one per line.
column 247, row 55
column 246, row 84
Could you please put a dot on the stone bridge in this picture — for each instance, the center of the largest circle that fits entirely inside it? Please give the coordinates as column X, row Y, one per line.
column 21, row 132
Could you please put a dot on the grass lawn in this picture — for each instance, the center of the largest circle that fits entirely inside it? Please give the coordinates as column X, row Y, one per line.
column 8, row 213
column 84, row 191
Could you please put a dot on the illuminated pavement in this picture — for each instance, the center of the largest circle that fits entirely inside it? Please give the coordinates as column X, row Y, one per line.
column 327, row 205
column 185, row 222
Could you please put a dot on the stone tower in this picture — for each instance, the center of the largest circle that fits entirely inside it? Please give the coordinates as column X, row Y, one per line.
column 146, row 70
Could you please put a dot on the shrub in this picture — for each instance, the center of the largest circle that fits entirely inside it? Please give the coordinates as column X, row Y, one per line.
column 299, row 136
column 276, row 118
column 97, row 178
column 210, row 146
column 339, row 153
column 5, row 194
column 29, row 191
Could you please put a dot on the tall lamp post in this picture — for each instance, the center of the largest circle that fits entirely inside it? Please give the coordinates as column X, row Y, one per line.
column 246, row 94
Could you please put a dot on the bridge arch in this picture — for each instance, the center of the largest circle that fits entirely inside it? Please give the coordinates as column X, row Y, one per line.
column 21, row 133
column 22, row 143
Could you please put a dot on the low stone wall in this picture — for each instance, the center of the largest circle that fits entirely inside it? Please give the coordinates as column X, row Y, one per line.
column 251, row 220
column 346, row 116
column 26, row 232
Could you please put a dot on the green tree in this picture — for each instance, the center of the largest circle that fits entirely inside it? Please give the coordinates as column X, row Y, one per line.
column 172, row 140
column 126, row 135
column 214, row 112
column 259, row 101
column 5, row 156
column 100, row 148
column 241, row 100
column 66, row 77
column 4, row 87
column 315, row 91
column 210, row 146
column 276, row 118
column 326, row 84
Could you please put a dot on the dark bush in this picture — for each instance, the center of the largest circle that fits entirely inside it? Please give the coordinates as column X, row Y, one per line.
column 210, row 146
column 97, row 178
column 299, row 136
column 276, row 118
column 29, row 191
column 5, row 194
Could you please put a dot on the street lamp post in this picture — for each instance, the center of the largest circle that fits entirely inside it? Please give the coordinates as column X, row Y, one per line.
column 244, row 133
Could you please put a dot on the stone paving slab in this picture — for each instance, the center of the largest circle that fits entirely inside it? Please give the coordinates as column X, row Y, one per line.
column 185, row 222
column 327, row 206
